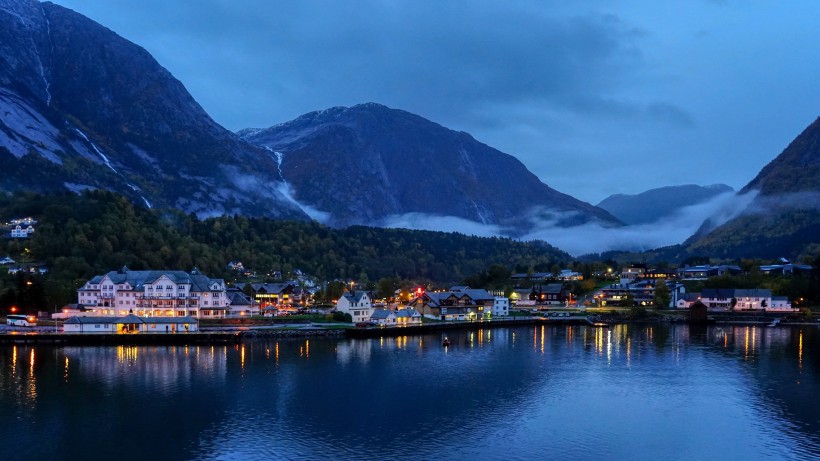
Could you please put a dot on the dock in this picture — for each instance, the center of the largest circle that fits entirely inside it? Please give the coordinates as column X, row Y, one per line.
column 106, row 339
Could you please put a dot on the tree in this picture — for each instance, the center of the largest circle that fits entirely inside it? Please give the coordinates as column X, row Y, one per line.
column 662, row 295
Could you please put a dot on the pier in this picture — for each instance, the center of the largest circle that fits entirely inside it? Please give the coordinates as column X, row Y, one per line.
column 105, row 339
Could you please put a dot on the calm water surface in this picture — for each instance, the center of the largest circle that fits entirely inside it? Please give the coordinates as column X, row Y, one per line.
column 629, row 392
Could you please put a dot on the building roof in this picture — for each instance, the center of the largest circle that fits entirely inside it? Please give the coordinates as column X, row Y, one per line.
column 129, row 319
column 407, row 313
column 753, row 293
column 237, row 298
column 355, row 296
column 277, row 288
column 550, row 288
column 714, row 293
column 382, row 314
column 478, row 294
column 138, row 279
column 89, row 320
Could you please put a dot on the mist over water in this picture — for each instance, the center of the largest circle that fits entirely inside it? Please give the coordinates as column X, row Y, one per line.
column 595, row 237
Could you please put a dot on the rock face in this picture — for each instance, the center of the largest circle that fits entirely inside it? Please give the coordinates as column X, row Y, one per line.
column 784, row 217
column 84, row 108
column 368, row 164
column 655, row 204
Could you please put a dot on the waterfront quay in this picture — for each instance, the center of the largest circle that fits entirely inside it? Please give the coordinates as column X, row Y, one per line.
column 113, row 339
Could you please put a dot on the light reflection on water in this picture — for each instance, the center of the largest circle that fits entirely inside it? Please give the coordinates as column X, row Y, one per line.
column 628, row 392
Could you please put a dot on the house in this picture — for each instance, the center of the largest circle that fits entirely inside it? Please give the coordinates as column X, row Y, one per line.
column 90, row 325
column 459, row 303
column 754, row 299
column 520, row 297
column 154, row 294
column 633, row 272
column 744, row 300
column 130, row 324
column 718, row 299
column 6, row 261
column 235, row 266
column 567, row 274
column 706, row 271
column 385, row 317
column 640, row 293
column 786, row 269
column 501, row 306
column 408, row 317
column 781, row 304
column 686, row 300
column 240, row 304
column 21, row 232
column 72, row 310
column 356, row 303
column 659, row 274
column 270, row 296
column 554, row 294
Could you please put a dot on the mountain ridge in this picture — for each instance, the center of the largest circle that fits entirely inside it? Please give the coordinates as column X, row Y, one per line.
column 655, row 204
column 86, row 109
column 411, row 163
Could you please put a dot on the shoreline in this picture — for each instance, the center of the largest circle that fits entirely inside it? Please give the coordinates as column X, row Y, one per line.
column 234, row 335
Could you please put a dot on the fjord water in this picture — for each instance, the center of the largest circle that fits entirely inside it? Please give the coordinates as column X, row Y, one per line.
column 629, row 392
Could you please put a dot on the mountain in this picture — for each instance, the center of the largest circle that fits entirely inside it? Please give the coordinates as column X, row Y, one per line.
column 783, row 219
column 83, row 108
column 655, row 204
column 380, row 165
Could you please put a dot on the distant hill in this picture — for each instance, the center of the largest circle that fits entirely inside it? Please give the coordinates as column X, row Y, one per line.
column 368, row 164
column 82, row 108
column 656, row 204
column 784, row 217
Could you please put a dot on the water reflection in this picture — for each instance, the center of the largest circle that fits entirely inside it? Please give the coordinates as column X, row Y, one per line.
column 629, row 391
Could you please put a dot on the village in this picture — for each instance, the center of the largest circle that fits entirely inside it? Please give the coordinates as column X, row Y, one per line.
column 175, row 301
column 131, row 301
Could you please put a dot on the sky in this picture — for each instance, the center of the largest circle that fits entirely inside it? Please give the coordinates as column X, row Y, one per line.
column 594, row 97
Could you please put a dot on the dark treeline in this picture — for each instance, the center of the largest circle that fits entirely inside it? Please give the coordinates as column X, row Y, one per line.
column 78, row 236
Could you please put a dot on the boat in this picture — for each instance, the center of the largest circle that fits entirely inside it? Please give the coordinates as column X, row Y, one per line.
column 774, row 323
column 446, row 342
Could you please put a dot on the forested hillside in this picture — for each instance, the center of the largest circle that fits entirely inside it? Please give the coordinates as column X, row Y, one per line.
column 78, row 236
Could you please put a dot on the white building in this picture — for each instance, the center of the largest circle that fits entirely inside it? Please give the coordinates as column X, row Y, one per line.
column 154, row 294
column 20, row 232
column 408, row 317
column 745, row 300
column 501, row 306
column 240, row 304
column 781, row 304
column 356, row 303
column 130, row 324
column 384, row 317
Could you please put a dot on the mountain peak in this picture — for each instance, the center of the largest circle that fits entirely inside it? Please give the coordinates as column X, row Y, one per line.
column 388, row 163
column 86, row 109
column 796, row 169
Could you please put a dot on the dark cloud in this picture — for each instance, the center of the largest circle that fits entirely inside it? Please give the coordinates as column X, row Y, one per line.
column 567, row 87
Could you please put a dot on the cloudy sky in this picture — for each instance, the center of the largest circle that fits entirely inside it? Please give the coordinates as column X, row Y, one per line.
column 595, row 97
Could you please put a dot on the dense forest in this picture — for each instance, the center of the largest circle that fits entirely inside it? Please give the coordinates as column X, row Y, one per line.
column 78, row 236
